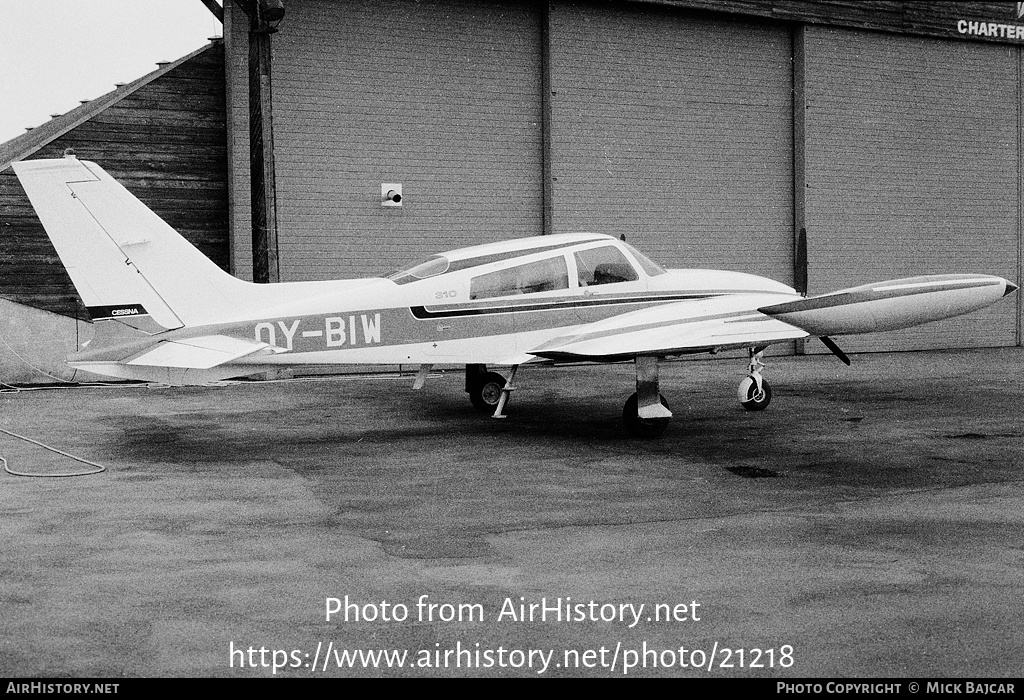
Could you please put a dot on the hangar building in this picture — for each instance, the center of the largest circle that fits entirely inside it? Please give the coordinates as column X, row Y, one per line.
column 886, row 135
column 824, row 144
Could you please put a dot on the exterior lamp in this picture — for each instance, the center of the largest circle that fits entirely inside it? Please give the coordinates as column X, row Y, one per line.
column 271, row 13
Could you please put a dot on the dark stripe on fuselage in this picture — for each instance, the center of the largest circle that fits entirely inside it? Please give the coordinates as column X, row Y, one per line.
column 579, row 302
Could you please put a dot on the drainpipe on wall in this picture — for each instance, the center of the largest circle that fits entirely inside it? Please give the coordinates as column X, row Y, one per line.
column 264, row 18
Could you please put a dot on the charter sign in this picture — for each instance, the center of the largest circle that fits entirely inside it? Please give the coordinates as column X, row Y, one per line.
column 994, row 30
column 990, row 29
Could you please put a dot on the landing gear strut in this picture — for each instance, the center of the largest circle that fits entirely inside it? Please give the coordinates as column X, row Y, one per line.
column 488, row 391
column 754, row 392
column 646, row 413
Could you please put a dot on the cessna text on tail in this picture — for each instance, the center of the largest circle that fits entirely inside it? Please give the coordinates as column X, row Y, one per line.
column 164, row 312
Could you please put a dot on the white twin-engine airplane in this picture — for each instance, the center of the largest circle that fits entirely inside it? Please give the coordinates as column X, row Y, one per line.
column 164, row 312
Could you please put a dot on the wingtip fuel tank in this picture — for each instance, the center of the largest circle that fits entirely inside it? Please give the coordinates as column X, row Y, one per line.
column 891, row 305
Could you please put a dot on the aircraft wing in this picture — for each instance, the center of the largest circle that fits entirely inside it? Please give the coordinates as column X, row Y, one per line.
column 760, row 319
column 678, row 328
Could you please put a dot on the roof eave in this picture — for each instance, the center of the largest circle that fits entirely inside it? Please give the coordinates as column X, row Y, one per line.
column 21, row 147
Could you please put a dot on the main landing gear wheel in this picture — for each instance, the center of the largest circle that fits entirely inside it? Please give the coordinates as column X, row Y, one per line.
column 485, row 391
column 643, row 427
column 753, row 399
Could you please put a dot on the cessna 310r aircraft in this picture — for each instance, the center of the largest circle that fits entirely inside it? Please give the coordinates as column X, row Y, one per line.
column 164, row 312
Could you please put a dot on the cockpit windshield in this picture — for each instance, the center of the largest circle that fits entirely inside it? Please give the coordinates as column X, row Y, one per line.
column 652, row 268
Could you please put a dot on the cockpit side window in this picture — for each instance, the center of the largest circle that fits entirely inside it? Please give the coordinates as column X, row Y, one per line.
column 604, row 265
column 541, row 276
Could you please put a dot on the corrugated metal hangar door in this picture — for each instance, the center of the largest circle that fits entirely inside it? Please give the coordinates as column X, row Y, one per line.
column 675, row 130
column 441, row 97
column 912, row 167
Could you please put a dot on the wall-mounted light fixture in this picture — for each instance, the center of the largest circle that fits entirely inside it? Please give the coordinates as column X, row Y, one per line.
column 391, row 194
column 271, row 12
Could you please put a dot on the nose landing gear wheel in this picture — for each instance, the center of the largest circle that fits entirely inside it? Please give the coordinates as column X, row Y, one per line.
column 643, row 427
column 752, row 399
column 486, row 392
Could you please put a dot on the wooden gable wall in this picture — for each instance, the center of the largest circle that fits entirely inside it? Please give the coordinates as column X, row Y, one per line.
column 166, row 142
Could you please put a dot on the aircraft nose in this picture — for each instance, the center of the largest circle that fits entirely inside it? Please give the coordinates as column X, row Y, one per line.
column 1010, row 288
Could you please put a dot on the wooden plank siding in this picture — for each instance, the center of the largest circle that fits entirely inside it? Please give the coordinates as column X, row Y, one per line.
column 165, row 142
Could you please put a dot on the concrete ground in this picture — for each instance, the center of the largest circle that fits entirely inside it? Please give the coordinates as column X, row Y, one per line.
column 868, row 524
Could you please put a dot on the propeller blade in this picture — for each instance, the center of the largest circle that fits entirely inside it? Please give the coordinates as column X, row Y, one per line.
column 836, row 350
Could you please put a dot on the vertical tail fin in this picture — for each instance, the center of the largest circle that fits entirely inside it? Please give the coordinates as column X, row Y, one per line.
column 124, row 260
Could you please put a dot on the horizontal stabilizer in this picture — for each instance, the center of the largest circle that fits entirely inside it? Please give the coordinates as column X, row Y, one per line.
column 175, row 376
column 200, row 353
column 181, row 361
